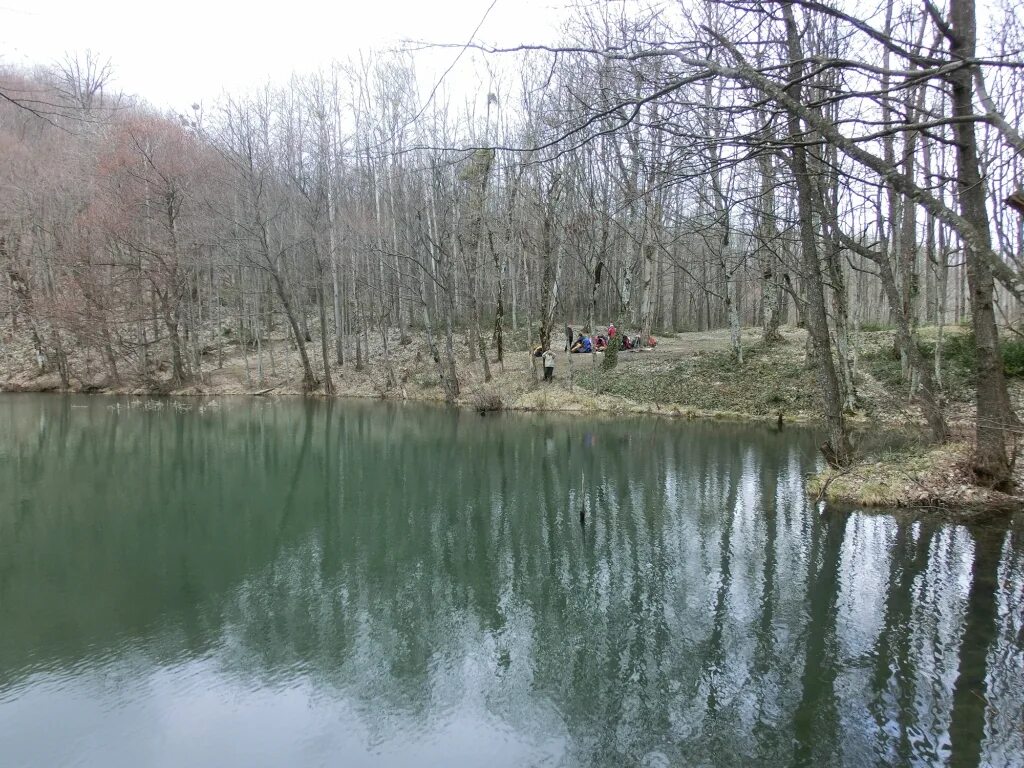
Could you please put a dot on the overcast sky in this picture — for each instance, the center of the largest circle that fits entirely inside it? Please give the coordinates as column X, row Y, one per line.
column 179, row 52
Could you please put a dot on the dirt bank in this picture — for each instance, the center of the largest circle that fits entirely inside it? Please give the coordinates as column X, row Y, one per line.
column 687, row 375
column 937, row 478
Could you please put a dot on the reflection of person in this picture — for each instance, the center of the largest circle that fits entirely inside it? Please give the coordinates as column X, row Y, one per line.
column 549, row 365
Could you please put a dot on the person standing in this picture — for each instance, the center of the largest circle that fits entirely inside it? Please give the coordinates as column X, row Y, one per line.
column 549, row 365
column 611, row 331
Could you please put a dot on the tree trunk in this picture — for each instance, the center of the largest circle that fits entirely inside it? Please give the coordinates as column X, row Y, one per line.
column 731, row 301
column 837, row 449
column 339, row 348
column 324, row 335
column 552, row 259
column 767, row 235
column 991, row 463
column 177, row 362
column 309, row 382
column 108, row 354
column 450, row 387
column 907, row 341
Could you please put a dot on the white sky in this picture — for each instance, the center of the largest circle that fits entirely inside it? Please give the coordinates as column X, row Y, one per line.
column 177, row 52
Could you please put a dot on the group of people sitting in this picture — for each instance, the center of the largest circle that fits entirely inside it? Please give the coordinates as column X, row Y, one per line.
column 585, row 343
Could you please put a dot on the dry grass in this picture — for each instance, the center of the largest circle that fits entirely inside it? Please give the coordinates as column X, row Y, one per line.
column 935, row 476
column 711, row 381
column 689, row 375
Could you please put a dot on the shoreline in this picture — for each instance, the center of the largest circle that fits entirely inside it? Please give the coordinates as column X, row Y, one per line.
column 537, row 400
column 690, row 377
column 921, row 479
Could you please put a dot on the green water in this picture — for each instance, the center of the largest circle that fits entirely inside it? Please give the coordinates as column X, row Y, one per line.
column 302, row 584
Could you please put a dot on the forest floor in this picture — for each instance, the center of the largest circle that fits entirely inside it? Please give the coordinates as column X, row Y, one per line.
column 921, row 477
column 688, row 375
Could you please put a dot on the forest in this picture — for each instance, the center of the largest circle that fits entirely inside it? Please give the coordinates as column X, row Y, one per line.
column 672, row 167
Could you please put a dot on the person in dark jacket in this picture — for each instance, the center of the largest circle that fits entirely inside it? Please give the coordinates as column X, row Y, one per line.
column 583, row 344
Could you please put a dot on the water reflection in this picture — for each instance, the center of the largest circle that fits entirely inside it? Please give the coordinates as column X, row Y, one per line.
column 282, row 583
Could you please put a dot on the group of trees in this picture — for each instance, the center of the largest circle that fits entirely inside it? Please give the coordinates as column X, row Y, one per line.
column 691, row 166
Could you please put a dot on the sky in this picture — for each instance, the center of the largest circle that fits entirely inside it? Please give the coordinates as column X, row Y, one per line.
column 181, row 52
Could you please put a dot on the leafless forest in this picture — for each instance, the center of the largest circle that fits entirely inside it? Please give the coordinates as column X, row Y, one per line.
column 680, row 167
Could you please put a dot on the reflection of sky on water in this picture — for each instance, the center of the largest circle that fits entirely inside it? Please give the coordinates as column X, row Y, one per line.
column 185, row 713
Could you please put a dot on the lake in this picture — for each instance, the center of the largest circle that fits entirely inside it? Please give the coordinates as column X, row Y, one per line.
column 288, row 583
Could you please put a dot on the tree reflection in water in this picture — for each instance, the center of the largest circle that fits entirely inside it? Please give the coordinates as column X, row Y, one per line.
column 423, row 576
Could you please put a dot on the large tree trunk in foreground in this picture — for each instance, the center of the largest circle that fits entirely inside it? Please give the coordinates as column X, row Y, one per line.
column 837, row 449
column 991, row 464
